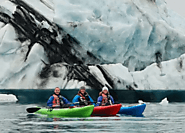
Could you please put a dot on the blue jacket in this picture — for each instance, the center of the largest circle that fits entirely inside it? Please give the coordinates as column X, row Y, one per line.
column 50, row 101
column 100, row 98
column 75, row 99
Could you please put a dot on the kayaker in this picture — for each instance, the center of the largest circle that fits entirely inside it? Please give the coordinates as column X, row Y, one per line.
column 83, row 98
column 104, row 98
column 57, row 100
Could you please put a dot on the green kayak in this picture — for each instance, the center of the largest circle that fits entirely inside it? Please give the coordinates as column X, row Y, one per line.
column 67, row 112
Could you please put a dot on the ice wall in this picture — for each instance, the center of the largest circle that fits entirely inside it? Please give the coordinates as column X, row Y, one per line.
column 123, row 44
column 131, row 32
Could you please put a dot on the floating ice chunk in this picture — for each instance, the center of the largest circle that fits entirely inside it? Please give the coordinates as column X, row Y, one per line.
column 164, row 101
column 8, row 98
column 140, row 102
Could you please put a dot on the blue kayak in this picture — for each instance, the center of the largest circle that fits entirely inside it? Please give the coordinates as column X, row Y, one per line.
column 135, row 110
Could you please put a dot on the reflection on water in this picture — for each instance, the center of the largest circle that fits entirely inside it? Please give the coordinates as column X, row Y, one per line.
column 156, row 118
column 68, row 124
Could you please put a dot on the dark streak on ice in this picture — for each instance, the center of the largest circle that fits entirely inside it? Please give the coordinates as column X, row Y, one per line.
column 106, row 75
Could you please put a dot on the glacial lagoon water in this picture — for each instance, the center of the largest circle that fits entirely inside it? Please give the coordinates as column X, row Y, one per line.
column 157, row 118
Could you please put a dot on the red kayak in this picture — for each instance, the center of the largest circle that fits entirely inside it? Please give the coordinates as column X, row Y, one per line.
column 110, row 110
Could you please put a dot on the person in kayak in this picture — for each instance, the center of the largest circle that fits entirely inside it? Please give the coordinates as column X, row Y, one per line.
column 83, row 98
column 58, row 101
column 104, row 98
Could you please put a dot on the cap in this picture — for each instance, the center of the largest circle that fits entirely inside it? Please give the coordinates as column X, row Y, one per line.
column 82, row 87
column 105, row 88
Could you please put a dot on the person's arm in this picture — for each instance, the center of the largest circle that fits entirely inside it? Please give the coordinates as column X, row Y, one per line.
column 67, row 102
column 92, row 101
column 112, row 99
column 76, row 99
column 50, row 101
column 99, row 100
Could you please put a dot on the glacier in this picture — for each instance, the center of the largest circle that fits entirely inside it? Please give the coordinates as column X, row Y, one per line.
column 123, row 44
column 120, row 31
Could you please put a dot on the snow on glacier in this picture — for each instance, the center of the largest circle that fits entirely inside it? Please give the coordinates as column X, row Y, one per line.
column 124, row 31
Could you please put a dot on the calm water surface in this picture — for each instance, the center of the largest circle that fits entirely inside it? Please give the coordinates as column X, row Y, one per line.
column 156, row 119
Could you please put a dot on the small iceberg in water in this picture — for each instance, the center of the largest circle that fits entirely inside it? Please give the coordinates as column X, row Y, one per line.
column 8, row 98
column 141, row 102
column 164, row 101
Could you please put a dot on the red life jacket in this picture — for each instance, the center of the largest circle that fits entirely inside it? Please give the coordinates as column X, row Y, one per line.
column 56, row 100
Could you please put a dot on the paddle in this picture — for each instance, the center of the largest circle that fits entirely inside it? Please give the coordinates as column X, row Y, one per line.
column 32, row 109
column 35, row 109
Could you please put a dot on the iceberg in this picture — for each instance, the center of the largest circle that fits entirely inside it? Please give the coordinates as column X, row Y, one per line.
column 8, row 98
column 122, row 44
column 164, row 102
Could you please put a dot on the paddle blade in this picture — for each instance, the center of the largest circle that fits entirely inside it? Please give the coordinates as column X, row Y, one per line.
column 32, row 109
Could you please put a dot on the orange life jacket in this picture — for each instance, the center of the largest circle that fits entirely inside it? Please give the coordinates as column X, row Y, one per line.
column 106, row 99
column 84, row 99
column 56, row 100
